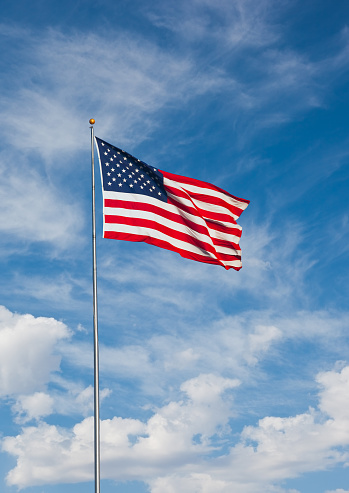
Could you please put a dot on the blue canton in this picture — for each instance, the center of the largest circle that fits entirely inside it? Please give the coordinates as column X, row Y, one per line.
column 122, row 172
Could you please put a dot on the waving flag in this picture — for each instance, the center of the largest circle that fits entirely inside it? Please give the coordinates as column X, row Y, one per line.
column 188, row 216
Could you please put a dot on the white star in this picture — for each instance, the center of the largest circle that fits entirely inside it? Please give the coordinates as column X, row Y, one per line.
column 120, row 184
column 119, row 175
column 109, row 183
column 131, row 185
column 114, row 179
column 124, row 171
column 124, row 180
column 113, row 169
column 108, row 174
column 106, row 154
column 102, row 143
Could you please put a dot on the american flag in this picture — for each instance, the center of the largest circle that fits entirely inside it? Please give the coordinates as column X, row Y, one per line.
column 188, row 216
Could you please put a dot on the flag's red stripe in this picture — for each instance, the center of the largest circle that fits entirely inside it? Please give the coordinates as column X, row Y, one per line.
column 203, row 198
column 218, row 202
column 143, row 206
column 166, row 245
column 219, row 218
column 222, row 228
column 214, row 217
column 151, row 224
column 177, row 235
column 201, row 184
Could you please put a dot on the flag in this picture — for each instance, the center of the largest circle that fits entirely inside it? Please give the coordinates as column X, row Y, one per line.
column 188, row 216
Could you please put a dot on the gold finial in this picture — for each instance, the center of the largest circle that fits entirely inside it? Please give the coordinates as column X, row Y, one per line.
column 92, row 121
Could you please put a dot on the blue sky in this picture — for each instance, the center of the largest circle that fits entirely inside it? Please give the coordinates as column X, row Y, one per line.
column 212, row 381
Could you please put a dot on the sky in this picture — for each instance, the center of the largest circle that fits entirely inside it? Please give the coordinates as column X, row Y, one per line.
column 212, row 380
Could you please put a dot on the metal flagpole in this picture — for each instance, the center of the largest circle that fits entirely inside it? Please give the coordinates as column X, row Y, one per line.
column 95, row 327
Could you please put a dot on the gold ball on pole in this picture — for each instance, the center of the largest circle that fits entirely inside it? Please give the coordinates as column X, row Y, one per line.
column 92, row 121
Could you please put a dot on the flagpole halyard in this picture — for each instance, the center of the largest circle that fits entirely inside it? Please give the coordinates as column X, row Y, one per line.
column 95, row 326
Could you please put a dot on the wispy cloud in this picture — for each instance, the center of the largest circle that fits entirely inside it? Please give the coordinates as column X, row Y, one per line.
column 33, row 209
column 126, row 82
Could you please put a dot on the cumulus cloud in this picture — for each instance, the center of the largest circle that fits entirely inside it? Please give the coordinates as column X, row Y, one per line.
column 32, row 406
column 140, row 448
column 183, row 445
column 71, row 399
column 27, row 353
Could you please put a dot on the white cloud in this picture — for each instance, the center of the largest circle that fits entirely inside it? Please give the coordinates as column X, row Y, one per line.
column 63, row 290
column 126, row 81
column 286, row 81
column 335, row 394
column 229, row 347
column 337, row 491
column 238, row 24
column 138, row 447
column 71, row 399
column 196, row 482
column 27, row 351
column 234, row 346
column 32, row 406
column 172, row 449
column 32, row 208
column 141, row 79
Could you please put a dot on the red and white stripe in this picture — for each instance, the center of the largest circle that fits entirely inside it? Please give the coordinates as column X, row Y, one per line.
column 198, row 221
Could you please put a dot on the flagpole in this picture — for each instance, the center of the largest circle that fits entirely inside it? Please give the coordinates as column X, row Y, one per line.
column 95, row 326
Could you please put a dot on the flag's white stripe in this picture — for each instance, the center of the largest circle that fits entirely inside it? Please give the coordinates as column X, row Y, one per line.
column 154, row 233
column 232, row 263
column 220, row 235
column 180, row 245
column 217, row 209
column 206, row 191
column 176, row 227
